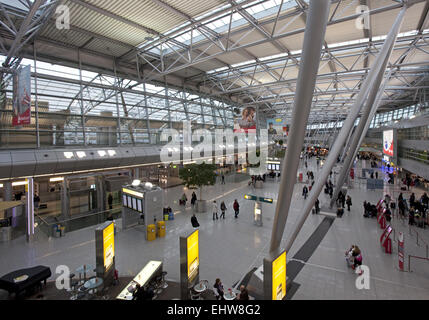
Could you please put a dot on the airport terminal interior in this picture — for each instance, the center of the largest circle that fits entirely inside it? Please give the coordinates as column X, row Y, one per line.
column 214, row 150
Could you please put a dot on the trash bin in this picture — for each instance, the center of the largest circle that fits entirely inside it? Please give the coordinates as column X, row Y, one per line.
column 166, row 216
column 161, row 229
column 57, row 231
column 5, row 234
column 171, row 216
column 151, row 234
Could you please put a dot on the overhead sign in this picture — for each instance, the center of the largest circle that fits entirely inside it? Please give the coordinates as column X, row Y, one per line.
column 132, row 192
column 22, row 97
column 193, row 255
column 279, row 277
column 388, row 143
column 108, row 245
column 256, row 198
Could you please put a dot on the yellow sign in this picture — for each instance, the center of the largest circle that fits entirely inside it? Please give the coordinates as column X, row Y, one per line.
column 132, row 192
column 193, row 255
column 279, row 277
column 108, row 245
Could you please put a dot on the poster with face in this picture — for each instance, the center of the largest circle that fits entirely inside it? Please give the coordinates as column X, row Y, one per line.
column 388, row 142
column 246, row 120
column 277, row 127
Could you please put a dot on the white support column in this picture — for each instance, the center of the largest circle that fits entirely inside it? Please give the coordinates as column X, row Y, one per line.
column 313, row 40
column 29, row 209
column 348, row 124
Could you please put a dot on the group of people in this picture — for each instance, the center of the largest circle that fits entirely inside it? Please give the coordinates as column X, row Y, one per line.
column 223, row 208
column 184, row 199
column 417, row 211
column 220, row 292
column 354, row 257
column 329, row 188
column 257, row 178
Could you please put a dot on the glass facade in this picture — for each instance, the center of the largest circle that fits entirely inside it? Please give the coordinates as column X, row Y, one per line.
column 83, row 108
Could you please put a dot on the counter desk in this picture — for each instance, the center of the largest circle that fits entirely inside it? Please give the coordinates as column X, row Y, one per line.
column 151, row 270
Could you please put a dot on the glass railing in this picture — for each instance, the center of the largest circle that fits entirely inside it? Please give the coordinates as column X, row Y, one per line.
column 50, row 225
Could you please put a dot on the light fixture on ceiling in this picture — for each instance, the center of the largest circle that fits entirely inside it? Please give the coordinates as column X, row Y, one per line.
column 136, row 183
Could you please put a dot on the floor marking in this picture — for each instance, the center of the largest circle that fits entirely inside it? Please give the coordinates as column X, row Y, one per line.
column 60, row 251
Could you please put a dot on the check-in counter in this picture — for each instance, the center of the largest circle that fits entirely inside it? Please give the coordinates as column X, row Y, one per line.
column 151, row 270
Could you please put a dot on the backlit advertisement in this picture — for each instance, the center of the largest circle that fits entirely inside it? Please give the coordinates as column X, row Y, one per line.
column 22, row 97
column 279, row 277
column 108, row 245
column 388, row 142
column 245, row 121
column 277, row 127
column 193, row 255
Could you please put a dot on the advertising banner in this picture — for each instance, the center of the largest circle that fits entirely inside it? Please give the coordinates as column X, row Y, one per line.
column 388, row 143
column 401, row 251
column 245, row 121
column 277, row 127
column 22, row 97
column 279, row 277
column 108, row 245
column 193, row 255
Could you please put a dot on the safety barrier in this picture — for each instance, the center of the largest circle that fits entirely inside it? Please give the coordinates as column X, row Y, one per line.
column 421, row 240
column 415, row 257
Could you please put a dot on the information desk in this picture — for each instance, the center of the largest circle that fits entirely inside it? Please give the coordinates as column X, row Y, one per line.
column 152, row 269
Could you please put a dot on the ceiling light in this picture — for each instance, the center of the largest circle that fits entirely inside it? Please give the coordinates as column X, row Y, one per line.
column 136, row 183
column 68, row 155
column 81, row 154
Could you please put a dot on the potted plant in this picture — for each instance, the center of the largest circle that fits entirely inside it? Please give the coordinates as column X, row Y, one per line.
column 198, row 175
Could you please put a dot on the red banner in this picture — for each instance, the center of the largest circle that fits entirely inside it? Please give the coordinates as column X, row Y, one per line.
column 401, row 251
column 22, row 97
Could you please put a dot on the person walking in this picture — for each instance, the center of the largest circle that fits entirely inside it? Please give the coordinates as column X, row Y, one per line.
column 223, row 209
column 376, row 174
column 110, row 201
column 306, row 165
column 223, row 179
column 36, row 201
column 236, row 207
column 193, row 199
column 316, row 206
column 305, row 192
column 215, row 210
column 219, row 288
column 349, row 202
column 331, row 191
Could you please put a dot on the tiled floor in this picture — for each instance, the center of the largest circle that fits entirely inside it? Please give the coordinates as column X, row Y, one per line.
column 230, row 248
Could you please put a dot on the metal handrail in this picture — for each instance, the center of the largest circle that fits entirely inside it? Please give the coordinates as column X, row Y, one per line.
column 79, row 217
column 417, row 241
column 416, row 257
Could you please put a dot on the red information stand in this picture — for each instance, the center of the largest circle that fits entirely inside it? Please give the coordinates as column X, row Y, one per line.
column 385, row 240
column 352, row 173
column 401, row 251
column 381, row 219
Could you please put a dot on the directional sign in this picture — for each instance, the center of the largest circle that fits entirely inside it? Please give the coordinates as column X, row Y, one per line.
column 256, row 198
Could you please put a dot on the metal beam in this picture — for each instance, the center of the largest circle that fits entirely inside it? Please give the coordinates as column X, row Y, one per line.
column 313, row 42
